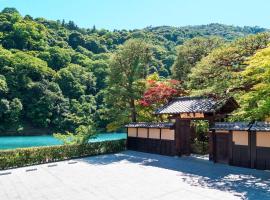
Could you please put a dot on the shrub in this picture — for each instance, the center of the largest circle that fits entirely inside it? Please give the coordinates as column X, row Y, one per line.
column 39, row 155
column 199, row 147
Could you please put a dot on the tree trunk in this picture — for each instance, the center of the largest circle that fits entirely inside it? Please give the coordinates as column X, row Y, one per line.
column 133, row 111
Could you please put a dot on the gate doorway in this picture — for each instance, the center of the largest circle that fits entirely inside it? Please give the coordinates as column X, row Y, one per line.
column 184, row 134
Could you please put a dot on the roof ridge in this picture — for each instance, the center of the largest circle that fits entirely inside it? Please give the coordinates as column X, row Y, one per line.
column 232, row 125
column 191, row 97
column 188, row 104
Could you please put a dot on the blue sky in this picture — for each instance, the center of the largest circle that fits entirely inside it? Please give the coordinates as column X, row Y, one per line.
column 131, row 14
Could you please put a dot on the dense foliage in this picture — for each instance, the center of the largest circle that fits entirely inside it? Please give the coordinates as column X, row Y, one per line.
column 218, row 72
column 238, row 69
column 157, row 92
column 39, row 155
column 129, row 65
column 255, row 104
column 191, row 52
column 55, row 75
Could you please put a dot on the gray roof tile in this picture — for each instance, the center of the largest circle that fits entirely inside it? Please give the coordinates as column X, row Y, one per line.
column 231, row 126
column 261, row 126
column 190, row 104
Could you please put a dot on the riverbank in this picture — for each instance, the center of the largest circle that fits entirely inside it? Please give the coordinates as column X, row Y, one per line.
column 13, row 142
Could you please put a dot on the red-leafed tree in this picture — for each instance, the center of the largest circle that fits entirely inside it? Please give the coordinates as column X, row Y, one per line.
column 158, row 92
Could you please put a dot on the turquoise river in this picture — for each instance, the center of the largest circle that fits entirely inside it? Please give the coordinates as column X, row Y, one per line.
column 13, row 142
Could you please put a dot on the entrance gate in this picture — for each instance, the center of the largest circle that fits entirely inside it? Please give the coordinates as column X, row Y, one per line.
column 175, row 138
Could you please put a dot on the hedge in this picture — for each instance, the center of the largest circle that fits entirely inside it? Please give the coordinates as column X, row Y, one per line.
column 39, row 155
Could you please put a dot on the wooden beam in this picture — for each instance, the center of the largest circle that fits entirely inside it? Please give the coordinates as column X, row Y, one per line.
column 191, row 115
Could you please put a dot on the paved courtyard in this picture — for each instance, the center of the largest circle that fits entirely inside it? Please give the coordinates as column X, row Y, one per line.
column 134, row 175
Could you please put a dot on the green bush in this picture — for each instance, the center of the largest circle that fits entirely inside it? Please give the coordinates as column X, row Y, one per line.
column 39, row 155
column 199, row 147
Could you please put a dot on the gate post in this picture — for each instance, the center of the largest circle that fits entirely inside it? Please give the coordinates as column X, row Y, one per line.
column 177, row 137
column 252, row 145
column 214, row 141
column 211, row 138
column 230, row 148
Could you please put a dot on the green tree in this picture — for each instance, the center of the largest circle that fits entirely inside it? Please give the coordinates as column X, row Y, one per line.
column 8, row 17
column 10, row 11
column 94, row 45
column 128, row 65
column 81, row 112
column 76, row 39
column 75, row 81
column 24, row 71
column 10, row 112
column 191, row 52
column 26, row 34
column 46, row 106
column 63, row 78
column 255, row 100
column 81, row 135
column 56, row 57
column 217, row 73
column 100, row 71
column 82, row 60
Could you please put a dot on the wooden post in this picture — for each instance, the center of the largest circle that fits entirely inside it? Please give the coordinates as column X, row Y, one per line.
column 211, row 136
column 230, row 148
column 127, row 143
column 177, row 137
column 210, row 145
column 252, row 145
column 214, row 141
column 188, row 138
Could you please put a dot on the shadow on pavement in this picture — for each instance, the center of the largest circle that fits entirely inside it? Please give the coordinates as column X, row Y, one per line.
column 196, row 171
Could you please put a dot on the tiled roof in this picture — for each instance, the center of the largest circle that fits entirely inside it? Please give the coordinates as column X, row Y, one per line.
column 150, row 125
column 231, row 126
column 190, row 105
column 261, row 126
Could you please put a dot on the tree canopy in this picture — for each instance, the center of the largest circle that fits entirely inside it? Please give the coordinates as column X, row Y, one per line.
column 56, row 75
column 128, row 66
column 191, row 52
column 255, row 102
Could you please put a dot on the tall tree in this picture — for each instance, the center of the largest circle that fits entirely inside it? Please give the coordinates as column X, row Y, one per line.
column 217, row 73
column 128, row 65
column 255, row 102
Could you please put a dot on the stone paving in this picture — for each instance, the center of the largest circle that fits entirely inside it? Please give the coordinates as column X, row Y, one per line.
column 135, row 176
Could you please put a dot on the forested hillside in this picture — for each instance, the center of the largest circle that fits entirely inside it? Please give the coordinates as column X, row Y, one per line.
column 56, row 75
